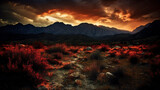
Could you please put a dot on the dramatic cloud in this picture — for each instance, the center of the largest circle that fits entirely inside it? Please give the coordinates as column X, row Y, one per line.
column 122, row 14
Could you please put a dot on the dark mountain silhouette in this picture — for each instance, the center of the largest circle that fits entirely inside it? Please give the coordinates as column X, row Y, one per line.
column 138, row 29
column 152, row 29
column 21, row 29
column 83, row 33
column 59, row 28
column 148, row 32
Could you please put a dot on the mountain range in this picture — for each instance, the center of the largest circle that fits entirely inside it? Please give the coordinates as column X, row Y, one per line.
column 83, row 33
column 60, row 28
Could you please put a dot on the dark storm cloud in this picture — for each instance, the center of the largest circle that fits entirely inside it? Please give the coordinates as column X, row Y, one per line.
column 88, row 7
column 108, row 2
column 137, row 8
column 12, row 14
column 25, row 10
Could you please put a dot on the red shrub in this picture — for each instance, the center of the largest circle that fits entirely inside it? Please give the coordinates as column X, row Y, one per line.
column 73, row 49
column 94, row 69
column 103, row 47
column 58, row 56
column 54, row 62
column 57, row 49
column 22, row 66
column 132, row 53
column 112, row 53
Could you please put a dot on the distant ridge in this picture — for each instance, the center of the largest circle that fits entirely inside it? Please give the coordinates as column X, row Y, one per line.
column 59, row 28
column 83, row 33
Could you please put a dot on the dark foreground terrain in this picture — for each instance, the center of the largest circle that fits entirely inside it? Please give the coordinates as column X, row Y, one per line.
column 60, row 66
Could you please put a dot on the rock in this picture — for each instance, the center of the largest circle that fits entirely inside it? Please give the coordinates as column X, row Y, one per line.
column 88, row 48
column 72, row 62
column 75, row 59
column 109, row 66
column 117, row 47
column 79, row 66
column 57, row 86
column 78, row 82
column 75, row 74
column 22, row 45
column 82, row 76
column 108, row 74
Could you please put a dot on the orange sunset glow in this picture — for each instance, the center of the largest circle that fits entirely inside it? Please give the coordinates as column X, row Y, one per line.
column 74, row 19
column 109, row 13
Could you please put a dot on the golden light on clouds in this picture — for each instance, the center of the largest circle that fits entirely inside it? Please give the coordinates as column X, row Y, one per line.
column 124, row 17
column 60, row 16
column 121, row 14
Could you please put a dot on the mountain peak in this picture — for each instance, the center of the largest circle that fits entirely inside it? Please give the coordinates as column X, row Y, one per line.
column 86, row 24
column 56, row 24
column 19, row 24
column 59, row 23
column 152, row 29
column 29, row 25
column 156, row 21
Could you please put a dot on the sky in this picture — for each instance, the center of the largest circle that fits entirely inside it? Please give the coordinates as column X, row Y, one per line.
column 121, row 14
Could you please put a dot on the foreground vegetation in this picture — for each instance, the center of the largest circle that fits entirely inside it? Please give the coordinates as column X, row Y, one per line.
column 60, row 66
